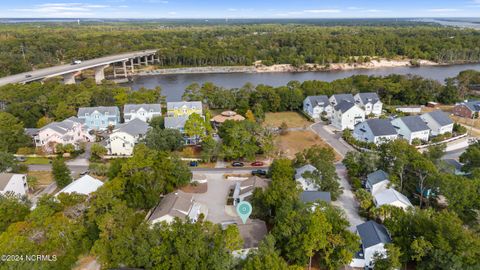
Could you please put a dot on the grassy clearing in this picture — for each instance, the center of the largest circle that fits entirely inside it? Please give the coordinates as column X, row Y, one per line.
column 293, row 120
column 37, row 161
column 296, row 141
column 43, row 178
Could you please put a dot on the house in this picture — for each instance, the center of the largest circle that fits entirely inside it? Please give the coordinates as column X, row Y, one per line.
column 453, row 167
column 244, row 190
column 177, row 204
column 314, row 196
column 99, row 118
column 316, row 106
column 252, row 233
column 125, row 136
column 305, row 183
column 438, row 122
column 144, row 112
column 218, row 120
column 337, row 98
column 411, row 128
column 377, row 181
column 467, row 109
column 84, row 185
column 391, row 197
column 373, row 238
column 13, row 183
column 370, row 102
column 346, row 115
column 375, row 131
column 70, row 131
column 176, row 123
column 184, row 108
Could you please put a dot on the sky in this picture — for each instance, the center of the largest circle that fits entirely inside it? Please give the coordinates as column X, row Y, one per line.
column 238, row 9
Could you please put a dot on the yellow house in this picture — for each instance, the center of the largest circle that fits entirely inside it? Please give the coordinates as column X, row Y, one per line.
column 184, row 108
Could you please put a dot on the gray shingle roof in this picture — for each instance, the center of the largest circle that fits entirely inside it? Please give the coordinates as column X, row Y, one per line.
column 381, row 127
column 372, row 233
column 175, row 204
column 414, row 123
column 111, row 110
column 300, row 171
column 321, row 100
column 175, row 122
column 312, row 196
column 344, row 106
column 135, row 107
column 5, row 179
column 376, row 177
column 473, row 105
column 189, row 104
column 440, row 117
column 368, row 97
column 340, row 97
column 62, row 127
column 135, row 127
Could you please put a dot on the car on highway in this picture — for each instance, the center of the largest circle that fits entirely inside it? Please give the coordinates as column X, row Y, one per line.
column 237, row 164
column 28, row 76
column 259, row 173
column 84, row 173
column 76, row 62
column 257, row 164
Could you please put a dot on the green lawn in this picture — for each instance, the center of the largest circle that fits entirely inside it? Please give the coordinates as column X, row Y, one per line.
column 37, row 161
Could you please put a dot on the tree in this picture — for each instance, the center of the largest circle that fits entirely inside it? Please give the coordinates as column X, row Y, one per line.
column 390, row 261
column 423, row 169
column 43, row 121
column 157, row 122
column 195, row 126
column 192, row 93
column 164, row 139
column 6, row 161
column 394, row 159
column 98, row 151
column 61, row 173
column 365, row 199
column 435, row 152
column 210, row 149
column 266, row 257
column 326, row 179
column 233, row 239
column 12, row 134
column 471, row 157
column 13, row 209
column 250, row 116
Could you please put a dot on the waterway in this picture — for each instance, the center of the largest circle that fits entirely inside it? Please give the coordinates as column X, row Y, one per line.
column 173, row 85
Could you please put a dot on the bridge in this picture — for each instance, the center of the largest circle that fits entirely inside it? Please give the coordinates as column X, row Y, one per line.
column 122, row 64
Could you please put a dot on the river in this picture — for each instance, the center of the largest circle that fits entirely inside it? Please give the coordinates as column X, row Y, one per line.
column 174, row 85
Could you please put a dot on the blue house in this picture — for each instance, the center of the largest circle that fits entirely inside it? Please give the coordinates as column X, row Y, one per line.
column 99, row 118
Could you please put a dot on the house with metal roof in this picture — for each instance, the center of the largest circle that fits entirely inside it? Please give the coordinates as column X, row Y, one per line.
column 305, row 183
column 337, row 98
column 144, row 112
column 84, row 185
column 467, row 109
column 177, row 204
column 373, row 238
column 438, row 121
column 346, row 115
column 13, row 183
column 124, row 137
column 244, row 190
column 316, row 106
column 99, row 118
column 375, row 131
column 391, row 197
column 377, row 181
column 370, row 102
column 411, row 128
column 311, row 197
column 184, row 108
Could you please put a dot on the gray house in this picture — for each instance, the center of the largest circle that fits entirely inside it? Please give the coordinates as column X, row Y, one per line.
column 144, row 112
column 370, row 102
column 438, row 122
column 337, row 98
column 411, row 128
column 375, row 131
column 373, row 239
column 315, row 106
column 377, row 181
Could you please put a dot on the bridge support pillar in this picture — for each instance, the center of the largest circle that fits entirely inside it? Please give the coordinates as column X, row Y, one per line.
column 123, row 68
column 100, row 74
column 146, row 60
column 132, row 66
column 69, row 78
column 152, row 59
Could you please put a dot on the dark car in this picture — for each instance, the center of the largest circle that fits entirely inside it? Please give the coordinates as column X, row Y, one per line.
column 28, row 76
column 84, row 173
column 193, row 163
column 259, row 173
column 237, row 164
column 257, row 164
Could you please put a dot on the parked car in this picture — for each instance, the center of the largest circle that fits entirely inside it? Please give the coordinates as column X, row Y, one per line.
column 76, row 62
column 193, row 163
column 259, row 173
column 21, row 159
column 257, row 164
column 28, row 76
column 84, row 173
column 237, row 164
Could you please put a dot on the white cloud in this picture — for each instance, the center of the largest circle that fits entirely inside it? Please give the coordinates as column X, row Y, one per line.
column 63, row 9
column 322, row 11
column 172, row 13
column 443, row 10
column 232, row 9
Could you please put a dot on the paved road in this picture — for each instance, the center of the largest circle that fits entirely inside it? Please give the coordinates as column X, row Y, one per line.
column 47, row 190
column 334, row 140
column 64, row 69
column 455, row 154
column 46, row 168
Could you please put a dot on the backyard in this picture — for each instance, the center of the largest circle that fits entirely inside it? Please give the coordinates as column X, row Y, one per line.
column 296, row 141
column 292, row 119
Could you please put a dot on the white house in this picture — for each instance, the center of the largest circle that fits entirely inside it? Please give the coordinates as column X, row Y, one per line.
column 337, row 98
column 99, row 118
column 370, row 102
column 177, row 204
column 391, row 197
column 375, row 131
column 125, row 136
column 316, row 106
column 377, row 181
column 244, row 190
column 84, row 185
column 13, row 183
column 144, row 112
column 305, row 183
column 70, row 131
column 346, row 115
column 411, row 128
column 373, row 237
column 438, row 122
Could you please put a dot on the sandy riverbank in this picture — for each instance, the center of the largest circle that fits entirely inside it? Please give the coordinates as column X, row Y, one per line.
column 259, row 68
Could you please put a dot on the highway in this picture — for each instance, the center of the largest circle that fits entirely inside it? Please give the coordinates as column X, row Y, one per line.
column 40, row 74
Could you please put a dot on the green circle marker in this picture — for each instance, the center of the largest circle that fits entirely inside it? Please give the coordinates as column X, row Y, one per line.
column 244, row 210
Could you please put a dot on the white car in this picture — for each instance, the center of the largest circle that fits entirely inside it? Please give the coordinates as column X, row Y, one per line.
column 76, row 62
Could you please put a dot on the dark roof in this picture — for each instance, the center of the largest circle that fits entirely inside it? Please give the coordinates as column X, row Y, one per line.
column 381, row 127
column 473, row 105
column 135, row 107
column 135, row 127
column 414, row 123
column 252, row 232
column 312, row 196
column 175, row 122
column 340, row 97
column 344, row 106
column 321, row 100
column 440, row 117
column 372, row 233
column 376, row 177
column 112, row 111
column 368, row 97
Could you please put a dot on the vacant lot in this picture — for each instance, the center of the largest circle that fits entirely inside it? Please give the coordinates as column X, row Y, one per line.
column 469, row 123
column 292, row 119
column 296, row 141
column 43, row 179
column 37, row 161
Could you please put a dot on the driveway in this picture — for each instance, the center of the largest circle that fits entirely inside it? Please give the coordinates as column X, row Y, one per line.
column 334, row 140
